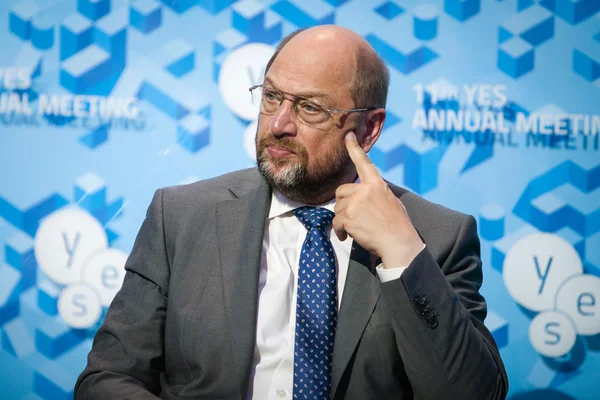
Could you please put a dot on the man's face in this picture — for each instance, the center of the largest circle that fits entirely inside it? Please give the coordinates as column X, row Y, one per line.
column 302, row 161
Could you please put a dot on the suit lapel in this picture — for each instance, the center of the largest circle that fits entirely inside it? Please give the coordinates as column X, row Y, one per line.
column 361, row 293
column 240, row 224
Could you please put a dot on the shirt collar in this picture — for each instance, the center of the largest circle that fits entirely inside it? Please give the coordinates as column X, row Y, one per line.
column 281, row 205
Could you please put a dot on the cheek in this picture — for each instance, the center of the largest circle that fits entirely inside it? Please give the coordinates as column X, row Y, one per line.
column 321, row 150
column 262, row 126
column 313, row 146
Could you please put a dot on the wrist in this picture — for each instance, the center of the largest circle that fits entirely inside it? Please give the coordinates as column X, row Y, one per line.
column 401, row 256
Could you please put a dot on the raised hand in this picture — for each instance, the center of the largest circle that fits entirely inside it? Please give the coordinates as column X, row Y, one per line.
column 372, row 215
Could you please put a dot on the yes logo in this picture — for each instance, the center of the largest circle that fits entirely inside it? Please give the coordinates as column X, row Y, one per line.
column 12, row 78
column 243, row 68
column 71, row 248
column 544, row 273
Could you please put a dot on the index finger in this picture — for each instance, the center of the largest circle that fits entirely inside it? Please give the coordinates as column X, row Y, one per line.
column 364, row 166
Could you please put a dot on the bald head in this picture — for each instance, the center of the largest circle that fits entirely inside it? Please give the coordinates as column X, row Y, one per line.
column 343, row 53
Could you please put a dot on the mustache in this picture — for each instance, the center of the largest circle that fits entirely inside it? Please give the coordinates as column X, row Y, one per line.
column 283, row 142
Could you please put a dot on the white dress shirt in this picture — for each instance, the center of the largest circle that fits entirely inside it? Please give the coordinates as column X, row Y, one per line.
column 273, row 366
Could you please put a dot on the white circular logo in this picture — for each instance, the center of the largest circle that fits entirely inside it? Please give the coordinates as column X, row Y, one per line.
column 64, row 239
column 79, row 306
column 552, row 334
column 250, row 140
column 242, row 69
column 536, row 266
column 104, row 271
column 579, row 298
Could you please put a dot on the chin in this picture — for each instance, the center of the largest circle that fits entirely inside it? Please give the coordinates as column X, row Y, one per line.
column 285, row 174
column 281, row 173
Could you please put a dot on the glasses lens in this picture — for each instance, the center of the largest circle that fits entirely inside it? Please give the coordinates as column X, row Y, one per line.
column 266, row 100
column 308, row 112
column 256, row 96
column 311, row 113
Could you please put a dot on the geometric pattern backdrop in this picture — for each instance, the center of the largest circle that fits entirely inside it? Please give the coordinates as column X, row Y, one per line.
column 494, row 110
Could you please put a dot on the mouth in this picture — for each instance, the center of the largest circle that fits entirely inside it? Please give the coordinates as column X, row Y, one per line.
column 279, row 152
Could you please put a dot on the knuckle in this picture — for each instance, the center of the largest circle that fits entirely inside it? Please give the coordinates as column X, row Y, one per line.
column 350, row 211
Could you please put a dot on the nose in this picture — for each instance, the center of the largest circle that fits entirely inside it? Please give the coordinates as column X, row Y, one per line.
column 283, row 122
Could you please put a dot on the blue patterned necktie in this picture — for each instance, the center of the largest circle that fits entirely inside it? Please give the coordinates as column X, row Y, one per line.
column 316, row 307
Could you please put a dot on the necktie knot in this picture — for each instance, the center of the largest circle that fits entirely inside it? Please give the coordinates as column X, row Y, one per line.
column 314, row 217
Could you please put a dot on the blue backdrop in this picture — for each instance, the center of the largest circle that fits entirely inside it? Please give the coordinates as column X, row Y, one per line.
column 494, row 110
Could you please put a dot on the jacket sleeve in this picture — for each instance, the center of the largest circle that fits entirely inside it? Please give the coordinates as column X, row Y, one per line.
column 127, row 355
column 437, row 315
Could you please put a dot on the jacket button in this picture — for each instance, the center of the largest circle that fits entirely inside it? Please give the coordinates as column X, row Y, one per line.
column 424, row 306
column 420, row 299
column 433, row 323
column 427, row 314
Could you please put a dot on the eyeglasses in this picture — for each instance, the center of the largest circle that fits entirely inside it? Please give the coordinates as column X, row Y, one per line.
column 309, row 112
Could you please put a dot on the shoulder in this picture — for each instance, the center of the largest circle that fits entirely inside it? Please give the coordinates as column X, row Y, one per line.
column 439, row 226
column 182, row 205
column 421, row 209
column 215, row 189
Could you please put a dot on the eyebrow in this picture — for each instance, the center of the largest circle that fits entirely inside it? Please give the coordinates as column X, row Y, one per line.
column 307, row 95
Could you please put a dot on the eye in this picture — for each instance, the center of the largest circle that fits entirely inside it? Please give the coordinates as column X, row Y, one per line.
column 310, row 108
column 271, row 96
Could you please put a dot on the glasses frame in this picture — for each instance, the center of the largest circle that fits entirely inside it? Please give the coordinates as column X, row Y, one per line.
column 294, row 99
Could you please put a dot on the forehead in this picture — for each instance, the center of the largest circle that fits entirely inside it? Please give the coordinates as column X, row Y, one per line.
column 313, row 71
column 318, row 96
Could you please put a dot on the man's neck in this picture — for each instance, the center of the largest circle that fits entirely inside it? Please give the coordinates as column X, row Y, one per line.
column 330, row 194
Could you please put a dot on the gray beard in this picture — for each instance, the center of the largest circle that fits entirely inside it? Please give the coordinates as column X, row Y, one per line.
column 295, row 183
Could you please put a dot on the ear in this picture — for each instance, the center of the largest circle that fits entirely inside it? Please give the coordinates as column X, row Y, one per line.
column 371, row 129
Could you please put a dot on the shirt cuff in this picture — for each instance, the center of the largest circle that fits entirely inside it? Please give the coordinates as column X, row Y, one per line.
column 389, row 274
column 386, row 275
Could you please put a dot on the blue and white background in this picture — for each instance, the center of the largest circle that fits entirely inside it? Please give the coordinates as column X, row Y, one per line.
column 494, row 110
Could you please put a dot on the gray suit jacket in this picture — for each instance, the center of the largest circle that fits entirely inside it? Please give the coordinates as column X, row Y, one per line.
column 183, row 324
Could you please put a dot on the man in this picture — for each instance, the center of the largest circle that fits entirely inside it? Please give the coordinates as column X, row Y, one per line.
column 247, row 286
